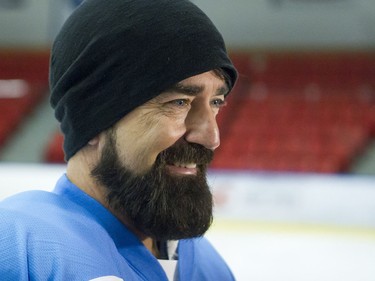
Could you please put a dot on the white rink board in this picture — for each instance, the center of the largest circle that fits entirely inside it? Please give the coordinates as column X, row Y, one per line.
column 298, row 198
column 271, row 226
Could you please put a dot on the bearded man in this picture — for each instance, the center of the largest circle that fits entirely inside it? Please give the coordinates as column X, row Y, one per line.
column 136, row 86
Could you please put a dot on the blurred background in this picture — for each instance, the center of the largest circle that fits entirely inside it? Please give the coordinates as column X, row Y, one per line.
column 294, row 177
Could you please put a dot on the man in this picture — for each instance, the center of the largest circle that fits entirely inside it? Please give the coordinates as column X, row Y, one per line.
column 136, row 86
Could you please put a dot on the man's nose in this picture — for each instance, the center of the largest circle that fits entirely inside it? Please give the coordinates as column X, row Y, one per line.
column 201, row 127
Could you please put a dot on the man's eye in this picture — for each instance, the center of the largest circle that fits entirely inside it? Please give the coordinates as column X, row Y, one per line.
column 181, row 102
column 218, row 103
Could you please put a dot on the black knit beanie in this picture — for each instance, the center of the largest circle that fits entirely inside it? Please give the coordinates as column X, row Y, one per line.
column 112, row 56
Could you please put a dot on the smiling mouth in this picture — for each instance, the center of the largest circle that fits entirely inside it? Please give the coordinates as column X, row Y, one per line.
column 182, row 168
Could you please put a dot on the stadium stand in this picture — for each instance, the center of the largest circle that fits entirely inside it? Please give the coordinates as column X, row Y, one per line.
column 23, row 84
column 54, row 152
column 302, row 112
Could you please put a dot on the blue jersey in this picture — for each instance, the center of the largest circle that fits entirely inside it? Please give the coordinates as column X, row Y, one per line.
column 67, row 235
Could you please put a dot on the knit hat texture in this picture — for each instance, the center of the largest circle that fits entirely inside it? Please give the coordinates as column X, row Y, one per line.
column 112, row 56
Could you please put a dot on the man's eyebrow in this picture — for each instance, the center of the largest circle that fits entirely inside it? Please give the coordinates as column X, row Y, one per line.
column 223, row 91
column 193, row 90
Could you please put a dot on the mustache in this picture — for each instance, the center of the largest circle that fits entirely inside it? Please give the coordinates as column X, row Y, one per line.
column 184, row 152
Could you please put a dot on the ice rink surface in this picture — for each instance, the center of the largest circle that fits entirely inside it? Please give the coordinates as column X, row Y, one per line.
column 271, row 226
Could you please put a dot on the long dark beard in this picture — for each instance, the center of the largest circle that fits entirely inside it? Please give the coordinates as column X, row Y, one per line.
column 159, row 204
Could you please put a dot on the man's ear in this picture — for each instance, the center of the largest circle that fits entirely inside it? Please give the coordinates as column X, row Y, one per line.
column 94, row 141
column 93, row 148
column 97, row 143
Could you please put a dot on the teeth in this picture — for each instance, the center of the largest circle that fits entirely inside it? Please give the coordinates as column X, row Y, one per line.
column 186, row 165
column 191, row 166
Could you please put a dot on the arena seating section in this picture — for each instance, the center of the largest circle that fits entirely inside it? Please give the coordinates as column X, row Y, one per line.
column 305, row 112
column 293, row 112
column 23, row 84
